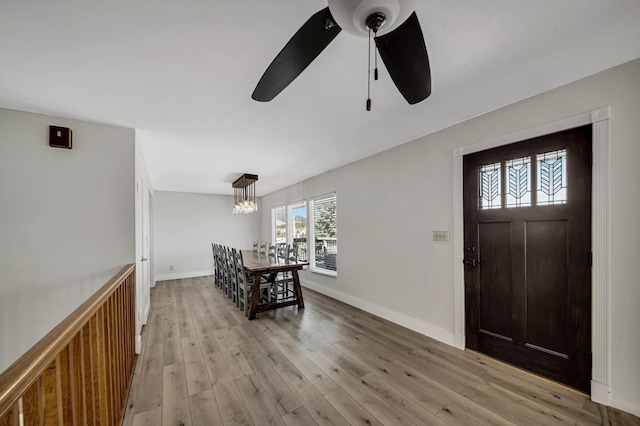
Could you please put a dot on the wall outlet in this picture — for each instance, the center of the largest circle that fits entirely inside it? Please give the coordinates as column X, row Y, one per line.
column 440, row 236
column 171, row 268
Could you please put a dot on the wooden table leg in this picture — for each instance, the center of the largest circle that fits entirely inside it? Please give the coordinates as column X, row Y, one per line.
column 297, row 288
column 255, row 293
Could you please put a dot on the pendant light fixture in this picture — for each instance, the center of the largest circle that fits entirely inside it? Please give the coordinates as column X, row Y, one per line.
column 244, row 194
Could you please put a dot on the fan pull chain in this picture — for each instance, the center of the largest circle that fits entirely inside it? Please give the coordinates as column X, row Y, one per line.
column 369, row 75
column 375, row 70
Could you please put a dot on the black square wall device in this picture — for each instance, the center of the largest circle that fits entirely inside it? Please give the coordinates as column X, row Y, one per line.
column 59, row 137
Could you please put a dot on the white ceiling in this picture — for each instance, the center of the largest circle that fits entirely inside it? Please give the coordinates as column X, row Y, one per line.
column 182, row 72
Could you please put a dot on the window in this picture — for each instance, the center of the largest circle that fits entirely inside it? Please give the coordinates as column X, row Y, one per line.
column 289, row 226
column 552, row 177
column 490, row 194
column 323, row 233
column 519, row 185
column 298, row 227
column 548, row 170
column 279, row 215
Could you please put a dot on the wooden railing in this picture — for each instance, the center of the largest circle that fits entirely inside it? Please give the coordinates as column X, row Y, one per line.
column 81, row 371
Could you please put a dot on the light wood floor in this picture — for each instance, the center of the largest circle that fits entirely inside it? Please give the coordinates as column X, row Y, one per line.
column 203, row 363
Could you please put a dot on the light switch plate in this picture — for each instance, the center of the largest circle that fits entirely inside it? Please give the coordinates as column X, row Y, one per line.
column 441, row 236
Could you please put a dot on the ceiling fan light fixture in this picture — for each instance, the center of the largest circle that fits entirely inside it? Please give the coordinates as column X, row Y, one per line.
column 375, row 21
column 396, row 32
column 352, row 15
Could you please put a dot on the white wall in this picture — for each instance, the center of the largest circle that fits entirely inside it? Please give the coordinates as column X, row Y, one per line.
column 185, row 226
column 66, row 221
column 388, row 205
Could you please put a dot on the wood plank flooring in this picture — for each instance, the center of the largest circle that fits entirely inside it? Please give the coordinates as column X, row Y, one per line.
column 204, row 363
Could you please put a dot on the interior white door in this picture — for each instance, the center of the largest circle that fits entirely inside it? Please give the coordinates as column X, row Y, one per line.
column 139, row 256
column 142, row 257
column 145, row 253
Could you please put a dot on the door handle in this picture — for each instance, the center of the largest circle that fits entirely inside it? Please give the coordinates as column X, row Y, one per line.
column 143, row 259
column 470, row 262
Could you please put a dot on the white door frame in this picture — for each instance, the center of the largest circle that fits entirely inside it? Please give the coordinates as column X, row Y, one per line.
column 152, row 260
column 146, row 276
column 142, row 299
column 600, row 273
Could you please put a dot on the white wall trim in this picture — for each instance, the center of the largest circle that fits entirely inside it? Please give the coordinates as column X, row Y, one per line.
column 458, row 252
column 145, row 316
column 601, row 247
column 600, row 321
column 625, row 406
column 600, row 393
column 145, row 319
column 181, row 275
column 139, row 290
column 533, row 132
column 411, row 323
column 321, row 271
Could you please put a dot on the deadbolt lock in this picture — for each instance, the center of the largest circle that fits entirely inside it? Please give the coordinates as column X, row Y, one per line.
column 470, row 262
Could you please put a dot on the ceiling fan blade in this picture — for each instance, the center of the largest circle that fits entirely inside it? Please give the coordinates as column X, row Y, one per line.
column 297, row 54
column 405, row 55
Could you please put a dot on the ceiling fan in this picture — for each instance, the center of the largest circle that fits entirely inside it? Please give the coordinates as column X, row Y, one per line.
column 397, row 34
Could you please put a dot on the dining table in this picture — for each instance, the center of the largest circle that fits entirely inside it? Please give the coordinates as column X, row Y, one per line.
column 262, row 266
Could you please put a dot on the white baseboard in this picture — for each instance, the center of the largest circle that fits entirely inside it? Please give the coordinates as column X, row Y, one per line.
column 411, row 323
column 145, row 316
column 138, row 344
column 625, row 406
column 459, row 341
column 600, row 393
column 181, row 275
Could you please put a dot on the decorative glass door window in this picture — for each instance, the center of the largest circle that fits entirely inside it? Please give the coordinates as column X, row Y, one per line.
column 519, row 185
column 490, row 186
column 550, row 177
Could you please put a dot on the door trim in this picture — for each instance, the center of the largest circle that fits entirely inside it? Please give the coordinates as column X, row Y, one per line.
column 600, row 273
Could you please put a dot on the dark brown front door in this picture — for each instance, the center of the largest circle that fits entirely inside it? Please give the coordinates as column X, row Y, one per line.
column 527, row 216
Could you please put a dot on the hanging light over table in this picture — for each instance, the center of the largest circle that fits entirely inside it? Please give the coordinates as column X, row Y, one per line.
column 244, row 194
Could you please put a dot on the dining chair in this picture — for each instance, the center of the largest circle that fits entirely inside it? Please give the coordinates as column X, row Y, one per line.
column 215, row 264
column 219, row 267
column 232, row 290
column 226, row 266
column 217, row 271
column 222, row 273
column 292, row 253
column 256, row 246
column 272, row 254
column 263, row 248
column 281, row 251
column 245, row 285
column 284, row 281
